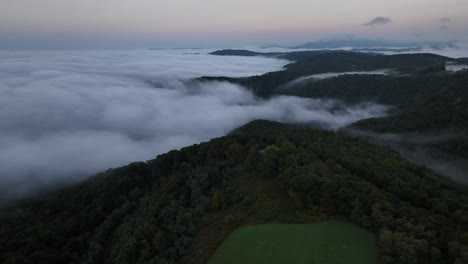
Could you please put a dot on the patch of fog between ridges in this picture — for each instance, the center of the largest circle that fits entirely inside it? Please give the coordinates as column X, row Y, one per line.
column 455, row 67
column 328, row 75
column 416, row 147
column 67, row 115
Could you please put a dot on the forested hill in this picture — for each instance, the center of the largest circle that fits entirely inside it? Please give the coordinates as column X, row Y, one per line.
column 404, row 92
column 444, row 117
column 179, row 206
column 406, row 69
column 233, row 52
column 428, row 102
column 434, row 134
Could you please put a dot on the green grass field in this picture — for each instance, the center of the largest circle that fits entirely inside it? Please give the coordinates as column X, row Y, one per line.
column 329, row 242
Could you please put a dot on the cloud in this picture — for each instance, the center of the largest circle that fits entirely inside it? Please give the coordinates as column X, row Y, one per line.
column 67, row 115
column 445, row 20
column 444, row 28
column 378, row 21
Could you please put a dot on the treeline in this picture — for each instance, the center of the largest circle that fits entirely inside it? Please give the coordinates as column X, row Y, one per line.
column 149, row 212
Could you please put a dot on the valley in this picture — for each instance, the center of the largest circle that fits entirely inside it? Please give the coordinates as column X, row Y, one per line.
column 338, row 195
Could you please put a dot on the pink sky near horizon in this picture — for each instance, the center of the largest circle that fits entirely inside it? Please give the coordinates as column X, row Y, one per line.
column 257, row 21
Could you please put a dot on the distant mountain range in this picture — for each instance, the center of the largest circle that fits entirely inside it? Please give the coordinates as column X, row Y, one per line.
column 363, row 43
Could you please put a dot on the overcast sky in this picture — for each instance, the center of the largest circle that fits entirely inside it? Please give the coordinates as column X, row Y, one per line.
column 219, row 23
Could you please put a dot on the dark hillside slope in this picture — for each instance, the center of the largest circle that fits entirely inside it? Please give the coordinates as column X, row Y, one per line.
column 316, row 62
column 432, row 118
column 434, row 134
column 405, row 92
column 184, row 202
column 248, row 53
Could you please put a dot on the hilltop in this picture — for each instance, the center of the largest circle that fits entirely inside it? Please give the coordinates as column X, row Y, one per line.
column 181, row 205
column 427, row 121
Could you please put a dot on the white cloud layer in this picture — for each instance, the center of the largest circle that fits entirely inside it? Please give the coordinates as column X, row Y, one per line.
column 67, row 115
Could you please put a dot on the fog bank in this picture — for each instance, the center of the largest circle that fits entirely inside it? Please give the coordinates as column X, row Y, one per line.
column 69, row 114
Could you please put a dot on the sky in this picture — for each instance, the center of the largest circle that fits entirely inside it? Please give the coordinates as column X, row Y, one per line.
column 109, row 24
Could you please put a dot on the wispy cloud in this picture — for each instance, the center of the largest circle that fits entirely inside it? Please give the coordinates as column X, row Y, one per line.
column 445, row 20
column 444, row 27
column 380, row 20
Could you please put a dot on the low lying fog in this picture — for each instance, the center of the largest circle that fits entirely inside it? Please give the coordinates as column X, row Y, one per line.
column 328, row 75
column 67, row 115
column 423, row 149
